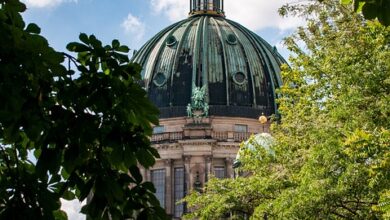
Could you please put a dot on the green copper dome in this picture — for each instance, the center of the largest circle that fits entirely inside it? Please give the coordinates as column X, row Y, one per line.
column 238, row 69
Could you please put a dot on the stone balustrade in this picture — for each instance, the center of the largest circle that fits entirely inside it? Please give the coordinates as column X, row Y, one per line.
column 216, row 135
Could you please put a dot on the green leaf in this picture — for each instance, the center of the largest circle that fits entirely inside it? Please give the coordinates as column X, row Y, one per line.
column 134, row 171
column 154, row 152
column 358, row 5
column 115, row 44
column 60, row 215
column 77, row 47
column 124, row 49
column 96, row 44
column 145, row 158
column 384, row 15
column 68, row 195
column 33, row 28
column 345, row 2
column 37, row 153
column 84, row 38
column 86, row 189
column 370, row 11
column 149, row 186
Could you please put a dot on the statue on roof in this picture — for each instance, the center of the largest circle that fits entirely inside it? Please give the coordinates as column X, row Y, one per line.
column 198, row 108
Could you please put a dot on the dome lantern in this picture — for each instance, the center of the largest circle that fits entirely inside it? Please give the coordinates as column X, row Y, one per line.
column 210, row 7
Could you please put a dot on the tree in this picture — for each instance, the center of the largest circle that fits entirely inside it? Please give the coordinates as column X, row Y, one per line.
column 238, row 198
column 372, row 9
column 332, row 157
column 88, row 132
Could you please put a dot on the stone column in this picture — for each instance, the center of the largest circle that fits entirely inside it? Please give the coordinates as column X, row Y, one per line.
column 229, row 167
column 147, row 175
column 187, row 173
column 168, row 186
column 208, row 167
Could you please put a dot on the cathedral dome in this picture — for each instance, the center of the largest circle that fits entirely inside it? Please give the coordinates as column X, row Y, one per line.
column 238, row 70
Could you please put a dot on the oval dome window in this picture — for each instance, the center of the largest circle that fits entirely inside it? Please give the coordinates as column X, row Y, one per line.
column 171, row 41
column 231, row 39
column 159, row 79
column 239, row 78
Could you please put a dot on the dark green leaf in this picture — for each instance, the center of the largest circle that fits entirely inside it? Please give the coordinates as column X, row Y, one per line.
column 370, row 11
column 149, row 186
column 115, row 44
column 134, row 171
column 77, row 47
column 60, row 215
column 68, row 195
column 145, row 158
column 84, row 38
column 86, row 190
column 124, row 49
column 33, row 28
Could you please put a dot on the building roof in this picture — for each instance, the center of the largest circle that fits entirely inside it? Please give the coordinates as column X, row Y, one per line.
column 238, row 69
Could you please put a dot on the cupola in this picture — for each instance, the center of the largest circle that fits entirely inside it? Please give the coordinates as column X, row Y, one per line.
column 209, row 7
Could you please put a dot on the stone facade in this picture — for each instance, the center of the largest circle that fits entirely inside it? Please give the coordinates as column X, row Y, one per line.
column 195, row 149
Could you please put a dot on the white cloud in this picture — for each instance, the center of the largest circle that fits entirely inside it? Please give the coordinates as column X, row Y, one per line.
column 72, row 209
column 257, row 15
column 173, row 9
column 253, row 14
column 133, row 25
column 45, row 3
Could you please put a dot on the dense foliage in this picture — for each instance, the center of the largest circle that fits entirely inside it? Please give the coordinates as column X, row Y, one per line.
column 88, row 132
column 332, row 156
column 372, row 9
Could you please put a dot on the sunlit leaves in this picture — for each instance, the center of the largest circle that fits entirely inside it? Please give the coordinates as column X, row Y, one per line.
column 332, row 151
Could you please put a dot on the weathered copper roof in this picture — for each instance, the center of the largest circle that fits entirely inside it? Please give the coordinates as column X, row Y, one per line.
column 239, row 69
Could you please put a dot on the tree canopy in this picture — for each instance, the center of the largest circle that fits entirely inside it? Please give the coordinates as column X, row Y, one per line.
column 85, row 119
column 332, row 151
column 372, row 9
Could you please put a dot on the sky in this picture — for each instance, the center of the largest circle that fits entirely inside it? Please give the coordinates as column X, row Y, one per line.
column 133, row 22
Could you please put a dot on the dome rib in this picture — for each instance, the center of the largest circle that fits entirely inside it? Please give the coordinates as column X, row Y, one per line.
column 163, row 50
column 196, row 54
column 205, row 57
column 224, row 60
column 179, row 48
column 264, row 49
column 250, row 69
column 150, row 43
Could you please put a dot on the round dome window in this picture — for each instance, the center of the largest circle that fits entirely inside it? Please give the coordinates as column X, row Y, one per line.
column 239, row 78
column 231, row 39
column 159, row 79
column 171, row 41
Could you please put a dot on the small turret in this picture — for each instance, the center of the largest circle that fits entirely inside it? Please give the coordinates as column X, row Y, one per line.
column 210, row 7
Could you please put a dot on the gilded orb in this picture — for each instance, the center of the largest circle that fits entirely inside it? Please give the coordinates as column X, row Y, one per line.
column 263, row 119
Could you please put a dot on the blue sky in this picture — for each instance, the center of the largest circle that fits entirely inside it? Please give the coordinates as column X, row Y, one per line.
column 133, row 22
